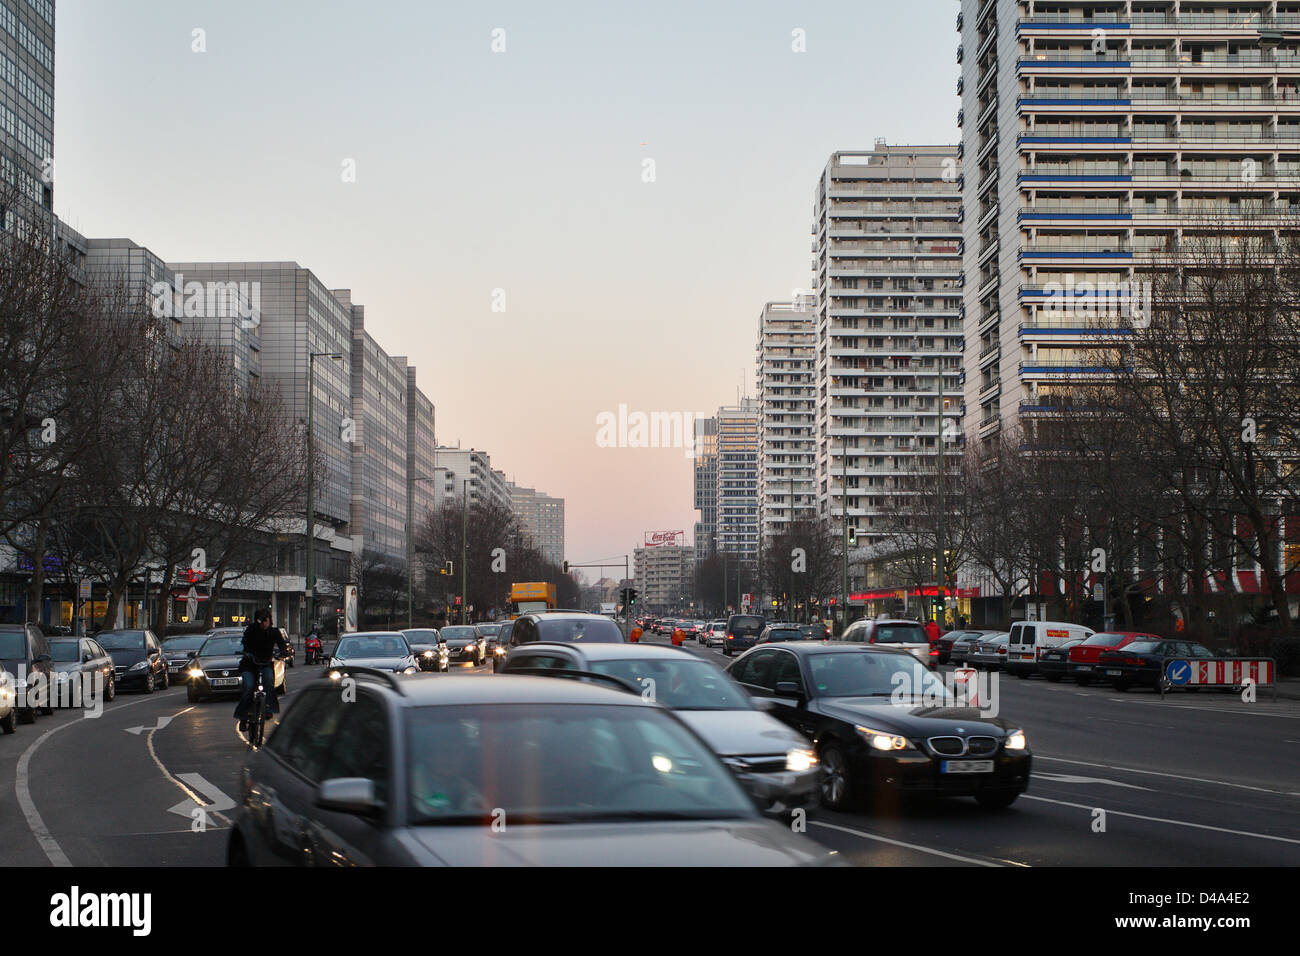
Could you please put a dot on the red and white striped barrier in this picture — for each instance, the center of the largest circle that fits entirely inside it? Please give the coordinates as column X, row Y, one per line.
column 1231, row 672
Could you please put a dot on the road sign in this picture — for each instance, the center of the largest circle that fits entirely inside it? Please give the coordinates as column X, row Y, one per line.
column 1178, row 673
column 457, row 600
column 83, row 589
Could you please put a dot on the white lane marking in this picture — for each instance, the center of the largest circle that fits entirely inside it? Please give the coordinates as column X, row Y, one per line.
column 162, row 722
column 1172, row 776
column 167, row 773
column 1177, row 823
column 909, row 846
column 22, row 788
column 1066, row 778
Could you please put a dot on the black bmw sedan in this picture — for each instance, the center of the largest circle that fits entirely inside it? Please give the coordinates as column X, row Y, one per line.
column 884, row 727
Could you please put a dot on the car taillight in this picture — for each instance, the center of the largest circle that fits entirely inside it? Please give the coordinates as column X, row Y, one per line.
column 934, row 651
column 1002, row 650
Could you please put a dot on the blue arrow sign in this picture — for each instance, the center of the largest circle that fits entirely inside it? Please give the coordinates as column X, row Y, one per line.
column 1178, row 672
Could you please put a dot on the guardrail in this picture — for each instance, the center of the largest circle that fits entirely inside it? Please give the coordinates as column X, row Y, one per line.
column 1218, row 672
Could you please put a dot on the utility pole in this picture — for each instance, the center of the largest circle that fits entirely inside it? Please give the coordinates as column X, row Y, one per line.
column 844, row 523
column 464, row 547
column 941, row 580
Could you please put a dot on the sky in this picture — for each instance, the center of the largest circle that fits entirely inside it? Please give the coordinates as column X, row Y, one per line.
column 590, row 216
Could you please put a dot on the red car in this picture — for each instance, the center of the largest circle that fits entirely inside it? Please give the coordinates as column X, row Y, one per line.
column 1085, row 655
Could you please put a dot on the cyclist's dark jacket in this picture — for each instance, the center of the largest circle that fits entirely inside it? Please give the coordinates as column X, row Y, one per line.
column 258, row 642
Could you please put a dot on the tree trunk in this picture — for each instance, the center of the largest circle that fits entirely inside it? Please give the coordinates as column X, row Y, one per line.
column 36, row 586
column 1276, row 581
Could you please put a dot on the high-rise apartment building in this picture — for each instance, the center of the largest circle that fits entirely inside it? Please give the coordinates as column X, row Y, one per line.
column 664, row 575
column 302, row 317
column 737, row 480
column 889, row 336
column 467, row 470
column 1095, row 136
column 27, row 106
column 706, row 487
column 541, row 518
column 787, row 338
column 379, row 450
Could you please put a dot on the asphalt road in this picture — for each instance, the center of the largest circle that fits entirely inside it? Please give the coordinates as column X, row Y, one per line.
column 1193, row 779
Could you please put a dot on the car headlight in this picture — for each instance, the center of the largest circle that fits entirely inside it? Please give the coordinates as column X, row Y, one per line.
column 408, row 670
column 1016, row 740
column 428, row 653
column 139, row 665
column 882, row 740
column 195, row 672
column 799, row 760
column 498, row 650
column 336, row 675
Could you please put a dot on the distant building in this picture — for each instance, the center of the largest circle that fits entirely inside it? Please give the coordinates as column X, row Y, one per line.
column 541, row 518
column 664, row 575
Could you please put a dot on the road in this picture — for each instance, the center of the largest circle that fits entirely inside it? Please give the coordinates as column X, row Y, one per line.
column 1194, row 779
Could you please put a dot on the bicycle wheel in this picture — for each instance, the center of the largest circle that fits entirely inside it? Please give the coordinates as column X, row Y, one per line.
column 256, row 720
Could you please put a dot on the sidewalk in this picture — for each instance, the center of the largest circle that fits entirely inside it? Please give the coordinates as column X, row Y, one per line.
column 1288, row 688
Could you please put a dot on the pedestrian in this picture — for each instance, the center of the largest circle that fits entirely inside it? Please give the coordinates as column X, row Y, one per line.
column 932, row 630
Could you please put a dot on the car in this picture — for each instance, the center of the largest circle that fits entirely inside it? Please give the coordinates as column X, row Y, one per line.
column 772, row 762
column 490, row 632
column 1053, row 661
column 429, row 648
column 214, row 668
column 178, row 651
column 502, row 644
column 817, row 631
column 568, row 627
column 990, row 653
column 288, row 643
column 1082, row 663
column 775, row 633
column 464, row 645
column 8, row 702
column 377, row 650
column 1143, row 662
column 1030, row 638
column 82, row 669
column 964, row 644
column 137, row 658
column 25, row 656
column 742, row 633
column 716, row 633
column 943, row 644
column 896, row 632
column 883, row 727
column 525, row 771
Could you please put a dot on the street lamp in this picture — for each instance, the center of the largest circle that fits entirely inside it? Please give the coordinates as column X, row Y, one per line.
column 310, row 582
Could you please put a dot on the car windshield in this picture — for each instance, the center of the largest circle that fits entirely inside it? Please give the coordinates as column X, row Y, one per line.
column 681, row 684
column 1105, row 640
column 900, row 634
column 785, row 634
column 121, row 640
column 488, row 630
column 555, row 764
column 222, row 646
column 593, row 630
column 1142, row 647
column 746, row 625
column 421, row 635
column 187, row 643
column 359, row 647
column 459, row 633
column 995, row 640
column 845, row 674
column 505, row 630
column 64, row 651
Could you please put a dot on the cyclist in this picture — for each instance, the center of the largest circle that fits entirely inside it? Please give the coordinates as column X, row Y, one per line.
column 261, row 641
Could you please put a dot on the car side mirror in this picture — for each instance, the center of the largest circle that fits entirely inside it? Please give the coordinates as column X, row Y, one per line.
column 789, row 688
column 85, row 658
column 349, row 795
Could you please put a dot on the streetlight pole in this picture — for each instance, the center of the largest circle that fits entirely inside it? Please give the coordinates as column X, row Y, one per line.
column 310, row 581
column 464, row 547
column 941, row 578
column 844, row 522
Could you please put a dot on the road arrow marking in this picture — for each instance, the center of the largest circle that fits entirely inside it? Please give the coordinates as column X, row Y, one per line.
column 186, row 808
column 162, row 722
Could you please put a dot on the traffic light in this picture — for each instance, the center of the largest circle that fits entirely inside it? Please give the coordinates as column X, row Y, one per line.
column 853, row 535
column 566, row 567
column 447, row 568
column 631, row 596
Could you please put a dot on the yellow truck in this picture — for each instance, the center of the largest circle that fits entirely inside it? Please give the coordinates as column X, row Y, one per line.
column 531, row 596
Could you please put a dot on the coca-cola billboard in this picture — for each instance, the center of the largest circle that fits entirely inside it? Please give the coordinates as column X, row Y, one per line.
column 654, row 539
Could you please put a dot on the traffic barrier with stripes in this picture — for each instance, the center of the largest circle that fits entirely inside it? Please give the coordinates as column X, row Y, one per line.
column 1219, row 672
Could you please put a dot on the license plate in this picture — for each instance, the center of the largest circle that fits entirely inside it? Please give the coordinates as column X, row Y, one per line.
column 1114, row 673
column 226, row 681
column 967, row 766
column 1079, row 667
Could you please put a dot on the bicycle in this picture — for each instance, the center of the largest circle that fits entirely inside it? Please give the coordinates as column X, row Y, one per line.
column 257, row 719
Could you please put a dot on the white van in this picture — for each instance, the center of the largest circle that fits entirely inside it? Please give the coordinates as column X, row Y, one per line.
column 1030, row 638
